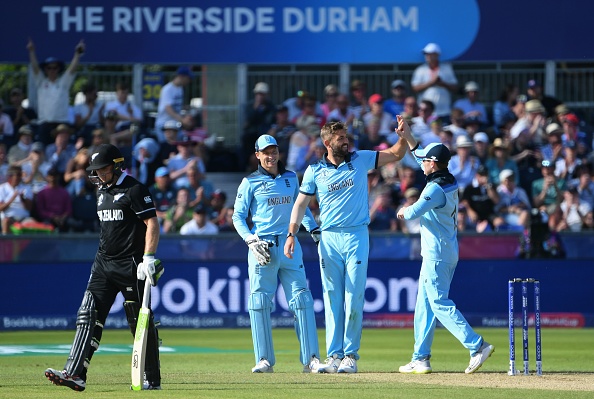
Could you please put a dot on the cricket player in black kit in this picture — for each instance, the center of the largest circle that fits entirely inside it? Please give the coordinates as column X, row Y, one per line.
column 126, row 255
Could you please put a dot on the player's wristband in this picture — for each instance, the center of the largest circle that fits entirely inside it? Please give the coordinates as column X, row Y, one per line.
column 149, row 254
column 290, row 235
column 415, row 147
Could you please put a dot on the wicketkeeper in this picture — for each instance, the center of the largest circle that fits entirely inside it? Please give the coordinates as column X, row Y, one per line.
column 127, row 245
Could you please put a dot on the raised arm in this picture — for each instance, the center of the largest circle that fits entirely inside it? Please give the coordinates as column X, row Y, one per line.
column 78, row 52
column 398, row 150
column 33, row 57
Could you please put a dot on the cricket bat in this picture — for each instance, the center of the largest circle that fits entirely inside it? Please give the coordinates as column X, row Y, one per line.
column 140, row 337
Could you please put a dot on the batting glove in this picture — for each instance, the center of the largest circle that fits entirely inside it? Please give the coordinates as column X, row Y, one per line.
column 259, row 248
column 316, row 235
column 150, row 268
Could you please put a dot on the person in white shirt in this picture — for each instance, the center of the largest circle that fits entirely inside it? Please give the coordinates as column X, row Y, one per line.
column 53, row 89
column 171, row 100
column 16, row 200
column 199, row 223
column 434, row 81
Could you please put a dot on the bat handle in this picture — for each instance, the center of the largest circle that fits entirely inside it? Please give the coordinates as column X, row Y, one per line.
column 146, row 298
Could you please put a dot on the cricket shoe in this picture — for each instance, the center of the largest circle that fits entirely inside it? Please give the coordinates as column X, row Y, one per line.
column 348, row 365
column 479, row 357
column 313, row 365
column 263, row 366
column 62, row 378
column 330, row 365
column 420, row 366
column 150, row 386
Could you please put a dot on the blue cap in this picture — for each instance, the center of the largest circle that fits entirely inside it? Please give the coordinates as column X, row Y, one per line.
column 162, row 171
column 264, row 141
column 185, row 71
column 434, row 152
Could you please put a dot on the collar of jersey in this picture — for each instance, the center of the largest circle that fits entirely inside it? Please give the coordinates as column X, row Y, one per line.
column 281, row 170
column 347, row 158
column 119, row 181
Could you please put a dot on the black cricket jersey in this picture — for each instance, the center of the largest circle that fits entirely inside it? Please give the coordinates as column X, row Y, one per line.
column 122, row 209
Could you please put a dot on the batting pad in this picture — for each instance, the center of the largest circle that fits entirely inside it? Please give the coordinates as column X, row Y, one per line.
column 260, row 306
column 302, row 307
column 85, row 324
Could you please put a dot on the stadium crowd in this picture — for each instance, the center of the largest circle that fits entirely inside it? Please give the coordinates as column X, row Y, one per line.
column 528, row 157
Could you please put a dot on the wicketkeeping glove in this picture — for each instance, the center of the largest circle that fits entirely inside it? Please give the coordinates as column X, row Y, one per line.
column 150, row 268
column 259, row 248
column 316, row 234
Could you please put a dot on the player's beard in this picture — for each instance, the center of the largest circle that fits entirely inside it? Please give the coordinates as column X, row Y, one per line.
column 340, row 150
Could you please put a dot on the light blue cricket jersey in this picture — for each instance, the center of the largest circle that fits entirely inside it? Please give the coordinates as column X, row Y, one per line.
column 270, row 200
column 341, row 190
column 437, row 207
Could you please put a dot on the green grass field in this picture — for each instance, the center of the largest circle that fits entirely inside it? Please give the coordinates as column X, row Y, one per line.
column 217, row 363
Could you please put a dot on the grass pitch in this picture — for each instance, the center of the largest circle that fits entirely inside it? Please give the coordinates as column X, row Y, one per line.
column 217, row 363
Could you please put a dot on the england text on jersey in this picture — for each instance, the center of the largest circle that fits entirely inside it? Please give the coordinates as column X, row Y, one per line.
column 286, row 199
column 340, row 185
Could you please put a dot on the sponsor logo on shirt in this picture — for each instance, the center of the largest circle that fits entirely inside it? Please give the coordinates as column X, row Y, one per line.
column 340, row 185
column 147, row 199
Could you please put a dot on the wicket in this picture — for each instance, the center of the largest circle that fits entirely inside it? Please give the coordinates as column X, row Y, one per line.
column 512, row 344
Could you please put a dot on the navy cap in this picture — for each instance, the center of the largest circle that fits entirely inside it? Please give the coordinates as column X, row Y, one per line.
column 434, row 152
column 184, row 71
column 265, row 141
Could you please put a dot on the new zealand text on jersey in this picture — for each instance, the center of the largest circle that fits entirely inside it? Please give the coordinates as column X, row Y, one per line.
column 279, row 200
column 110, row 215
column 340, row 185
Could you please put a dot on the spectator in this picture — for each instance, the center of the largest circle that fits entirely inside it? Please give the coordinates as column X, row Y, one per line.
column 411, row 107
column 382, row 213
column 35, row 168
column 20, row 151
column 472, row 125
column 359, row 103
column 458, row 123
column 499, row 160
column 574, row 211
column 585, row 185
column 330, row 94
column 502, row 108
column 434, row 81
column 282, row 131
column 180, row 213
column 295, row 106
column 16, row 200
column 310, row 110
column 547, row 192
column 19, row 115
column 421, row 127
column 377, row 115
column 84, row 211
column 534, row 91
column 527, row 157
column 162, row 192
column 201, row 190
column 200, row 224
column 3, row 163
column 259, row 117
column 218, row 207
column 168, row 147
column 53, row 204
column 183, row 161
column 533, row 121
column 227, row 225
column 53, row 89
column 513, row 209
column 6, row 126
column 471, row 106
column 60, row 152
column 145, row 154
column 480, row 199
column 75, row 175
column 395, row 105
column 128, row 117
column 413, row 226
column 553, row 151
column 198, row 134
column 88, row 115
column 571, row 132
column 565, row 167
column 171, row 100
column 463, row 165
column 343, row 112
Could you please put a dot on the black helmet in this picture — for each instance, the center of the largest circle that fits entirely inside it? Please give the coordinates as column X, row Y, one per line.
column 105, row 155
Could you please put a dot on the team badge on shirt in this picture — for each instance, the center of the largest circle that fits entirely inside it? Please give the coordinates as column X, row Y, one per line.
column 117, row 197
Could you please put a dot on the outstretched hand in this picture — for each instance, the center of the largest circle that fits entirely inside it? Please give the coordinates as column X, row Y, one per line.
column 30, row 45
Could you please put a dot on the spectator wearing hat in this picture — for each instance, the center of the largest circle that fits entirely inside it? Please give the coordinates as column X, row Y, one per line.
column 566, row 166
column 553, row 150
column 168, row 147
column 88, row 115
column 259, row 117
column 479, row 199
column 533, row 121
column 503, row 106
column 395, row 105
column 435, row 81
column 383, row 120
column 463, row 165
column 171, row 100
column 53, row 204
column 471, row 104
column 19, row 115
column 60, row 151
column 500, row 160
column 16, row 199
column 457, row 124
column 218, row 207
column 571, row 132
column 513, row 208
column 179, row 213
column 53, row 89
column 145, row 154
column 282, row 130
column 421, row 127
column 200, row 223
column 163, row 193
column 330, row 94
column 6, row 126
column 547, row 192
column 480, row 148
column 574, row 212
column 35, row 168
column 184, row 160
column 22, row 148
column 535, row 92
